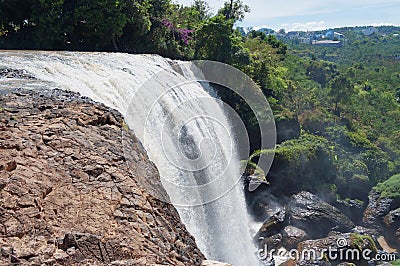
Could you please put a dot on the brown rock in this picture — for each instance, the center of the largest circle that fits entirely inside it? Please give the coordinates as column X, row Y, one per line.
column 11, row 166
column 67, row 195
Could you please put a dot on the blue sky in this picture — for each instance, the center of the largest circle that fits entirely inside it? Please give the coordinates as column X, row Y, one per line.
column 316, row 14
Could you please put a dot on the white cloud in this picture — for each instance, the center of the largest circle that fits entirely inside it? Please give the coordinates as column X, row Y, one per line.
column 307, row 26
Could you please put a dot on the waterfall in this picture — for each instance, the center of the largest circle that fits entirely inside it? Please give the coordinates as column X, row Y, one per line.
column 185, row 131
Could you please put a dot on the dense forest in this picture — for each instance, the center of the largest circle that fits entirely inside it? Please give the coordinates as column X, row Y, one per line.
column 337, row 109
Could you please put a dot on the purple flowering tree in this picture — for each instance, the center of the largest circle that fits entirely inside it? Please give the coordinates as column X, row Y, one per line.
column 182, row 34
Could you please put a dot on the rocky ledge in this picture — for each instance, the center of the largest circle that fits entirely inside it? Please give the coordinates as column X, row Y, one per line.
column 71, row 194
column 305, row 223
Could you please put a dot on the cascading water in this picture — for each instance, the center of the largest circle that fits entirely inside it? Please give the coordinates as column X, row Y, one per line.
column 184, row 130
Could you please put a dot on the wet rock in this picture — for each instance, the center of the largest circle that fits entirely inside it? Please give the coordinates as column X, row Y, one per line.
column 353, row 209
column 392, row 227
column 71, row 195
column 272, row 242
column 308, row 212
column 273, row 225
column 377, row 209
column 292, row 236
column 262, row 204
column 15, row 73
column 365, row 231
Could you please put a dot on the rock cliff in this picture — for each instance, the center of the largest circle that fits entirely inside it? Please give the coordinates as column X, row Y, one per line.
column 71, row 194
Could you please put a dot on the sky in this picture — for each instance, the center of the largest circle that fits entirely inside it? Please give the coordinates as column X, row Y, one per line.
column 315, row 14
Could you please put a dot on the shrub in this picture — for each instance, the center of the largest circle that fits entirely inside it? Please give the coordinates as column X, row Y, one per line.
column 390, row 188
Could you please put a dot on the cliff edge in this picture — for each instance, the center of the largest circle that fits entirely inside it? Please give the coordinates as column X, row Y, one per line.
column 70, row 194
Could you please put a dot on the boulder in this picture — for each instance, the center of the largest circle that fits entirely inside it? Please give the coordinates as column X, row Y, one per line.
column 353, row 209
column 292, row 236
column 272, row 226
column 316, row 217
column 262, row 203
column 392, row 227
column 365, row 231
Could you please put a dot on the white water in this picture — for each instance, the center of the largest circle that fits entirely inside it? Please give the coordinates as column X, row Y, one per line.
column 183, row 129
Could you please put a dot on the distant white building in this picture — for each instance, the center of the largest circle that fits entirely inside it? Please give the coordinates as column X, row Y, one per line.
column 306, row 40
column 338, row 36
column 327, row 43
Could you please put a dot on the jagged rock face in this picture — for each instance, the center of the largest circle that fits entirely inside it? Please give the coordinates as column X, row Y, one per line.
column 70, row 193
column 377, row 209
column 383, row 214
column 352, row 209
column 392, row 227
column 316, row 217
column 15, row 73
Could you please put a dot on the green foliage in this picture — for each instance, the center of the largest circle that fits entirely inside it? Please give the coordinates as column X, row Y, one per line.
column 360, row 241
column 234, row 9
column 300, row 164
column 213, row 39
column 341, row 89
column 390, row 188
column 396, row 263
column 321, row 71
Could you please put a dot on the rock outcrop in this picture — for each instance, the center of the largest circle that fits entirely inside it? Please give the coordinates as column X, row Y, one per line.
column 376, row 210
column 383, row 214
column 70, row 194
column 15, row 74
column 316, row 217
column 392, row 227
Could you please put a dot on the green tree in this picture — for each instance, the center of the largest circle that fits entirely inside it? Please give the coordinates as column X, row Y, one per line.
column 202, row 10
column 14, row 14
column 137, row 26
column 234, row 9
column 340, row 90
column 99, row 23
column 321, row 71
column 213, row 40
